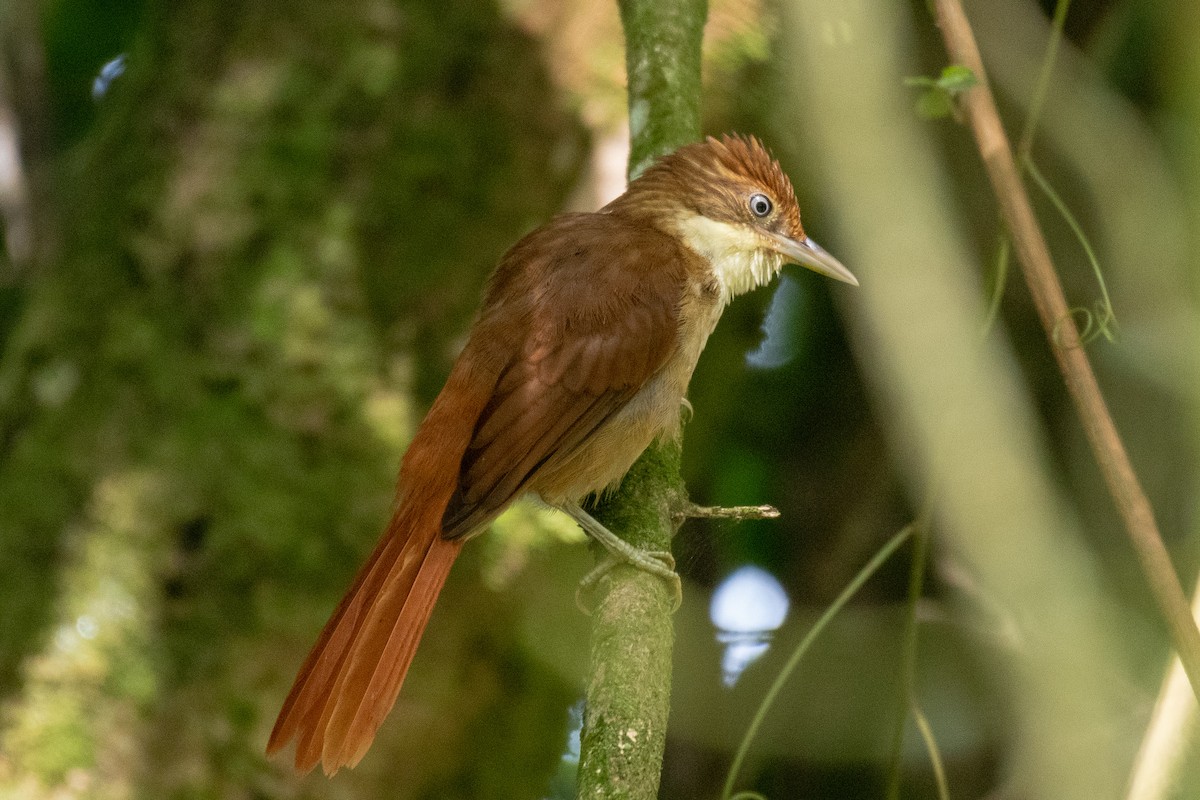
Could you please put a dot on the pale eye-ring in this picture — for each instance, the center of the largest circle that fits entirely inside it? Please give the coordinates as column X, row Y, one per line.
column 760, row 205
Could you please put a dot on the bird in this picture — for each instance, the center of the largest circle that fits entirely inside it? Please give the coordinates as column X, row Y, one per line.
column 578, row 359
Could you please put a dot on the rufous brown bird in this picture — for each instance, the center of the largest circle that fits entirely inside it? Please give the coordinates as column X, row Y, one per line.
column 580, row 357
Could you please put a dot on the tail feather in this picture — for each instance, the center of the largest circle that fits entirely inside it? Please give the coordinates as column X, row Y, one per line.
column 382, row 658
column 325, row 659
column 316, row 737
column 353, row 675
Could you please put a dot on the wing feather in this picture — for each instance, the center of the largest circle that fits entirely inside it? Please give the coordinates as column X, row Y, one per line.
column 601, row 327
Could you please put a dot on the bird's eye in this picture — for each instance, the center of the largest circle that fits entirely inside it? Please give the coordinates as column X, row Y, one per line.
column 760, row 205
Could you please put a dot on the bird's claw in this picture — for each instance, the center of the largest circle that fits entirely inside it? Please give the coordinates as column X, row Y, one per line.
column 619, row 552
column 656, row 562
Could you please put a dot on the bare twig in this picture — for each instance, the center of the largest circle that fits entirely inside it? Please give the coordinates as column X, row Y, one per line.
column 1038, row 269
column 736, row 513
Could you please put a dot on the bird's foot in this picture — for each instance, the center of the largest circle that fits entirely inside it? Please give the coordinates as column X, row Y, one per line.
column 656, row 562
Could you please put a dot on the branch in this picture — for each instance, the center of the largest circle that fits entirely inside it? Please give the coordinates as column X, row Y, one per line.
column 628, row 695
column 736, row 513
column 662, row 65
column 1038, row 269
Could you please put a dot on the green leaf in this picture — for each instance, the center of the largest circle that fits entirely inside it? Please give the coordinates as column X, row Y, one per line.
column 937, row 100
column 955, row 79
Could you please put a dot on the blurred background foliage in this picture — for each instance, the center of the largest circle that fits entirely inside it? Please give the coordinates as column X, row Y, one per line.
column 236, row 273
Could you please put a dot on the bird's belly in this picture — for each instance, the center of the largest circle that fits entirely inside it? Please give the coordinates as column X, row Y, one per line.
column 601, row 461
column 604, row 457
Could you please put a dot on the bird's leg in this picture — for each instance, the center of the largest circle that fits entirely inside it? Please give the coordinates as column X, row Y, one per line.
column 658, row 563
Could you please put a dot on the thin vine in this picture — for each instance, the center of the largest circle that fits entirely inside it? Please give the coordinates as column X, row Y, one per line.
column 1092, row 322
column 871, row 567
column 1100, row 322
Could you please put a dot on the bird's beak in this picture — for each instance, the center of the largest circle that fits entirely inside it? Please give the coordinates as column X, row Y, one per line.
column 811, row 255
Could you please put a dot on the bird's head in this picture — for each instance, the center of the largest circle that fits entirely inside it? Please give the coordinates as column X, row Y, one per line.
column 729, row 201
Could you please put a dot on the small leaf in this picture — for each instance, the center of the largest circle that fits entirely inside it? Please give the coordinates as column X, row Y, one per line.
column 955, row 79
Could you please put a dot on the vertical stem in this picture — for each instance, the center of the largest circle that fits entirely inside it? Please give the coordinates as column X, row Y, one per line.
column 1042, row 88
column 1034, row 257
column 629, row 691
column 908, row 664
column 662, row 62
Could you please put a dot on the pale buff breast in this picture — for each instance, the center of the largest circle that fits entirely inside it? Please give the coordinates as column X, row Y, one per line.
column 654, row 412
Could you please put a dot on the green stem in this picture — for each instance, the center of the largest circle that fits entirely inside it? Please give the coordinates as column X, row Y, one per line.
column 935, row 755
column 919, row 528
column 629, row 690
column 798, row 654
column 1042, row 88
column 662, row 65
column 1107, row 316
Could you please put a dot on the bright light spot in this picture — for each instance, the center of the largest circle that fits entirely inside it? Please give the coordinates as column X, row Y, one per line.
column 779, row 345
column 108, row 73
column 747, row 607
column 571, row 754
column 87, row 627
column 748, row 601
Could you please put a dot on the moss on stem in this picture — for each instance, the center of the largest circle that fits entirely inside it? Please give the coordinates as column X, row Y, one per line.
column 628, row 693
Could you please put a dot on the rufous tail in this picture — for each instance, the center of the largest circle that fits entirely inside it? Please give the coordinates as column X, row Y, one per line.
column 351, row 679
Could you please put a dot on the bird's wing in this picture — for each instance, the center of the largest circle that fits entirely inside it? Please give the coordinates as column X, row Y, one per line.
column 603, row 318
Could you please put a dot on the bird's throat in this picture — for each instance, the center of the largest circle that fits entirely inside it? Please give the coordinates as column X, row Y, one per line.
column 734, row 252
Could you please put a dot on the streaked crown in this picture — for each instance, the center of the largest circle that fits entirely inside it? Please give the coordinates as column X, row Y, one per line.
column 717, row 179
column 730, row 203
